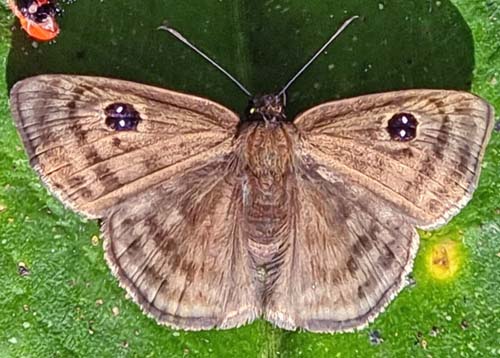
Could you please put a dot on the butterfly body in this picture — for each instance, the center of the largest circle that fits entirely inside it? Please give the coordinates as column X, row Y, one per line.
column 266, row 140
column 210, row 221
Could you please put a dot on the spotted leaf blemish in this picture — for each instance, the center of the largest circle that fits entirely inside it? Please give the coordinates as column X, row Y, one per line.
column 444, row 259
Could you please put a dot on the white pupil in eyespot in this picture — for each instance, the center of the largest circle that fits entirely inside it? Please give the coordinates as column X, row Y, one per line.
column 402, row 133
column 119, row 109
column 122, row 123
column 404, row 120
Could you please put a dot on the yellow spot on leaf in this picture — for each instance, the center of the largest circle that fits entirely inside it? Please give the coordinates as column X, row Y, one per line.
column 95, row 240
column 444, row 259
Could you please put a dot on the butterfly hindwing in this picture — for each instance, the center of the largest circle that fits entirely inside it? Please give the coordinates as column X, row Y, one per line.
column 348, row 255
column 429, row 173
column 180, row 252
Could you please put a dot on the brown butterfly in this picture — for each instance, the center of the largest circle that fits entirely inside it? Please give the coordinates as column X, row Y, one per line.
column 211, row 220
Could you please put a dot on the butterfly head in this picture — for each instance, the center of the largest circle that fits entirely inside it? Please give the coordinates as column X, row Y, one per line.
column 266, row 108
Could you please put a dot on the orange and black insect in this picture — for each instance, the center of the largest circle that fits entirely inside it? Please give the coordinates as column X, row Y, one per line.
column 37, row 17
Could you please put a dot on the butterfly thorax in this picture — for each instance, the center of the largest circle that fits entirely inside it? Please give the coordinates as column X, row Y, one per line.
column 268, row 149
column 267, row 138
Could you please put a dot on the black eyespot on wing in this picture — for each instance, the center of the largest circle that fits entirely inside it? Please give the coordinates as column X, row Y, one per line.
column 402, row 127
column 122, row 117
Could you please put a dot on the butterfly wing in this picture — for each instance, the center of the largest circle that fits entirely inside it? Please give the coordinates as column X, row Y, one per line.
column 64, row 124
column 157, row 167
column 180, row 252
column 362, row 186
column 429, row 177
column 348, row 255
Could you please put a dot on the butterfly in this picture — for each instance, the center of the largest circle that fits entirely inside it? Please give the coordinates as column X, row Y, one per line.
column 37, row 17
column 211, row 220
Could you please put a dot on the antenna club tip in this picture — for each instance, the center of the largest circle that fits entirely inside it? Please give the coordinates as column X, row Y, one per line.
column 351, row 19
column 164, row 26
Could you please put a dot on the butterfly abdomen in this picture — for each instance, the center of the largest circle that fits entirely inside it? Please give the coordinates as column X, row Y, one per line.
column 267, row 224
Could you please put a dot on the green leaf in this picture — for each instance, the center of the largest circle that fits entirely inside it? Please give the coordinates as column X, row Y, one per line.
column 68, row 306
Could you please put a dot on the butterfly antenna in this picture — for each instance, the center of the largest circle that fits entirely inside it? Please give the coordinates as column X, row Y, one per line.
column 181, row 38
column 330, row 40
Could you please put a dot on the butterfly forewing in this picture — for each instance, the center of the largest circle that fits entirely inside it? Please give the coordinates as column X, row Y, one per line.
column 97, row 141
column 417, row 149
